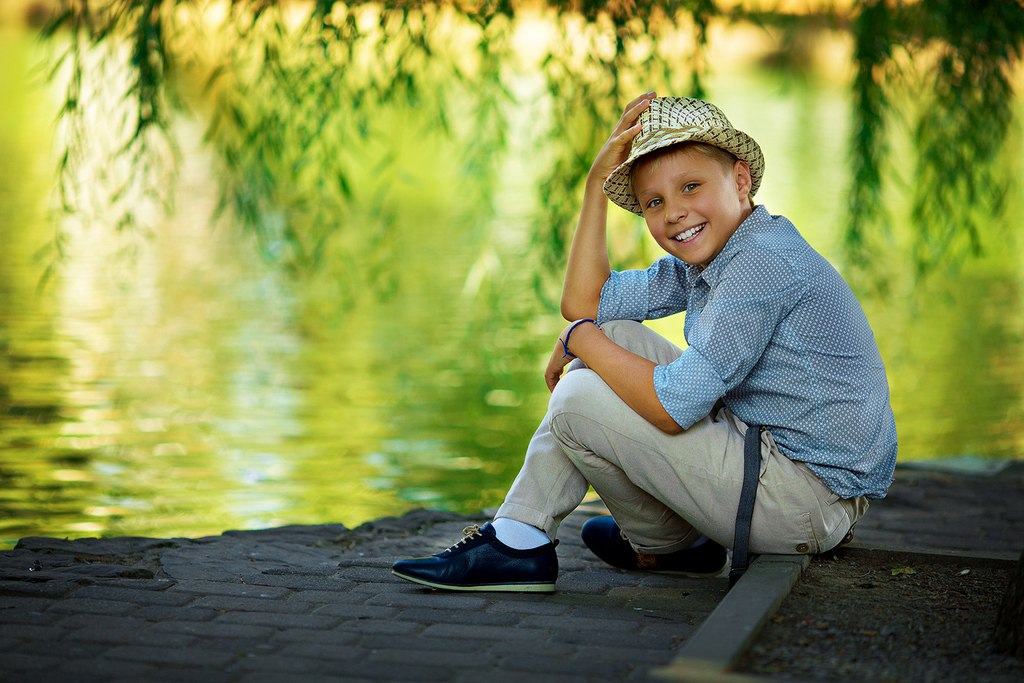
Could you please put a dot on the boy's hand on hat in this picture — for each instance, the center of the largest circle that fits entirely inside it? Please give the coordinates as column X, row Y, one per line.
column 616, row 148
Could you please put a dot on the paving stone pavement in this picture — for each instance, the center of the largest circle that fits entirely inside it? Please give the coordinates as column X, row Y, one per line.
column 319, row 603
column 927, row 510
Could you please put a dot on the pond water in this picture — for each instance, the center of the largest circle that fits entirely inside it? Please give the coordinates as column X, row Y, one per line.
column 190, row 387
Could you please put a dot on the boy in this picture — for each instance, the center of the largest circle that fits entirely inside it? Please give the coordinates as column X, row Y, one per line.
column 775, row 338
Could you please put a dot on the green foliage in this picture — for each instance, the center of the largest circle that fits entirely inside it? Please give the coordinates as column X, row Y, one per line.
column 965, row 124
column 296, row 110
column 294, row 104
column 954, row 59
column 135, row 185
column 873, row 50
column 621, row 59
column 292, row 110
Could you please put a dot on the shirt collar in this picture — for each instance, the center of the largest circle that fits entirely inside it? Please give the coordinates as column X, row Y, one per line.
column 713, row 272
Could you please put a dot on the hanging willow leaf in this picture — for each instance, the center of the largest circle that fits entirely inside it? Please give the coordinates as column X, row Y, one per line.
column 961, row 121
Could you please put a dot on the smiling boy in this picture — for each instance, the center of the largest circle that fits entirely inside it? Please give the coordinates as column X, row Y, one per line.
column 780, row 358
column 685, row 194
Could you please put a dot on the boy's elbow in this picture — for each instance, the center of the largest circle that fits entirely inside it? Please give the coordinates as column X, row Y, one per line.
column 565, row 308
column 669, row 426
column 570, row 312
column 573, row 309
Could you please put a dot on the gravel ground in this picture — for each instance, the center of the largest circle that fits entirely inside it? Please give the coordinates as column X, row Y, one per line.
column 876, row 615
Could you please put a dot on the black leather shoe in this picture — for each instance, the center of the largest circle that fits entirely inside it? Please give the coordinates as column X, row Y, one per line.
column 480, row 562
column 603, row 536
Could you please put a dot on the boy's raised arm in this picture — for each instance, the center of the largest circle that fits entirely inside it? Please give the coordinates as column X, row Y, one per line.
column 588, row 267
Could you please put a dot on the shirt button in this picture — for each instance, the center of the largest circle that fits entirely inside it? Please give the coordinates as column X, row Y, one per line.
column 802, row 547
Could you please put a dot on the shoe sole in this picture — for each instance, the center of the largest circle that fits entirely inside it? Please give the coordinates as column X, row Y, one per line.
column 493, row 587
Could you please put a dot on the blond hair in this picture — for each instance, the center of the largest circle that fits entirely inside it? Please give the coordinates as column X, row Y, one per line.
column 723, row 156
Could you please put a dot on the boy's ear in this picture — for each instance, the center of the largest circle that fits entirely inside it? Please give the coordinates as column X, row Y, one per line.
column 741, row 172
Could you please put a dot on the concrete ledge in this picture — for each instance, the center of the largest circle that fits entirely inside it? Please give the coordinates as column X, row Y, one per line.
column 734, row 625
column 876, row 549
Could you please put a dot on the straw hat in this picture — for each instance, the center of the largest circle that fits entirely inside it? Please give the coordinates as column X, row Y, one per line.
column 671, row 120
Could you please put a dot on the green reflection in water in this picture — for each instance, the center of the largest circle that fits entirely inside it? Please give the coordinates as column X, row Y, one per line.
column 195, row 389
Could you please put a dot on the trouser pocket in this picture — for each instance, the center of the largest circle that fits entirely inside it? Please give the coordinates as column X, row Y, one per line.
column 784, row 520
column 835, row 516
column 795, row 512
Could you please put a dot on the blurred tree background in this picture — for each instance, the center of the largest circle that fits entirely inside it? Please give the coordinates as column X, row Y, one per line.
column 295, row 93
column 305, row 254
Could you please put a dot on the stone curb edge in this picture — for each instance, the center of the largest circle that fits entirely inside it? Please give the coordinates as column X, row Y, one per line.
column 737, row 620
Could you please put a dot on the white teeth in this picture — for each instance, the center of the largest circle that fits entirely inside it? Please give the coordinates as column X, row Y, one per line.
column 689, row 234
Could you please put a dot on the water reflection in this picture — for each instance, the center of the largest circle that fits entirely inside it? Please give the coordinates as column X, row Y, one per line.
column 192, row 388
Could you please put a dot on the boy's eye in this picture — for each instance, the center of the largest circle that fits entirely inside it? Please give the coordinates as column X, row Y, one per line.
column 653, row 203
column 689, row 187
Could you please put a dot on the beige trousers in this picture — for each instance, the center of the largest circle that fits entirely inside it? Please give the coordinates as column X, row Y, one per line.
column 665, row 490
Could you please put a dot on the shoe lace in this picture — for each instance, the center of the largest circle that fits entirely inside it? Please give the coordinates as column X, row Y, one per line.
column 468, row 533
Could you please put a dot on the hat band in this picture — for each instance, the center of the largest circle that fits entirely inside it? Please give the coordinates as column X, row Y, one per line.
column 661, row 133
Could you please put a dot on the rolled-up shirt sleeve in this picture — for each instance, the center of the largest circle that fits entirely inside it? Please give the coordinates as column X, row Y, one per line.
column 727, row 337
column 688, row 387
column 656, row 292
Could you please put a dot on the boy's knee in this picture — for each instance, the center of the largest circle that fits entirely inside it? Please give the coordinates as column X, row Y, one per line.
column 622, row 329
column 575, row 392
column 580, row 400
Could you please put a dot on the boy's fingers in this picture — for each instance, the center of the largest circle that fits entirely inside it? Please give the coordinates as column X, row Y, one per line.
column 634, row 108
column 556, row 367
column 551, row 379
column 615, row 149
column 618, row 146
column 646, row 97
column 626, row 136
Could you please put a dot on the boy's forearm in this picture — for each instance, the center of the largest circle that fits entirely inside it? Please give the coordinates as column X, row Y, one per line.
column 588, row 267
column 630, row 376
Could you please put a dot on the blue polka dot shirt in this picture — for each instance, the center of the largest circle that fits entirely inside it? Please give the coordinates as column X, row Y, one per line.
column 775, row 333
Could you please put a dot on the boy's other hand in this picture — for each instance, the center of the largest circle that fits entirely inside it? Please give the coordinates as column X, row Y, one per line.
column 556, row 363
column 560, row 357
column 616, row 149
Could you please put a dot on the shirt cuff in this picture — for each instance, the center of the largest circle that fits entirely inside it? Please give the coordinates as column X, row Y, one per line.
column 688, row 388
column 624, row 296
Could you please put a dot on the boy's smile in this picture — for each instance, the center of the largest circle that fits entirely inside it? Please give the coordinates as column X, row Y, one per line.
column 692, row 203
column 687, row 235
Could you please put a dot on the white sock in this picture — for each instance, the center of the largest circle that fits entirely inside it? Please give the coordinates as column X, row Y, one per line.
column 519, row 535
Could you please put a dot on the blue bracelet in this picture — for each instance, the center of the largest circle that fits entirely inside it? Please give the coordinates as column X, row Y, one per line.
column 565, row 342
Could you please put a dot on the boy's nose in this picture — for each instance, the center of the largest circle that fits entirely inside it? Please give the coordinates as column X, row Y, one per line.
column 676, row 211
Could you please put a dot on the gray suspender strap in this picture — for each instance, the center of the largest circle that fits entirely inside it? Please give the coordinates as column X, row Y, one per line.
column 751, row 469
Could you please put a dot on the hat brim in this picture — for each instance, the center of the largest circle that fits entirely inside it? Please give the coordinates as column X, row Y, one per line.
column 618, row 186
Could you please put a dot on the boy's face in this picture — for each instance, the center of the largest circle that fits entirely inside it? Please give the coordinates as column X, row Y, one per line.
column 692, row 203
